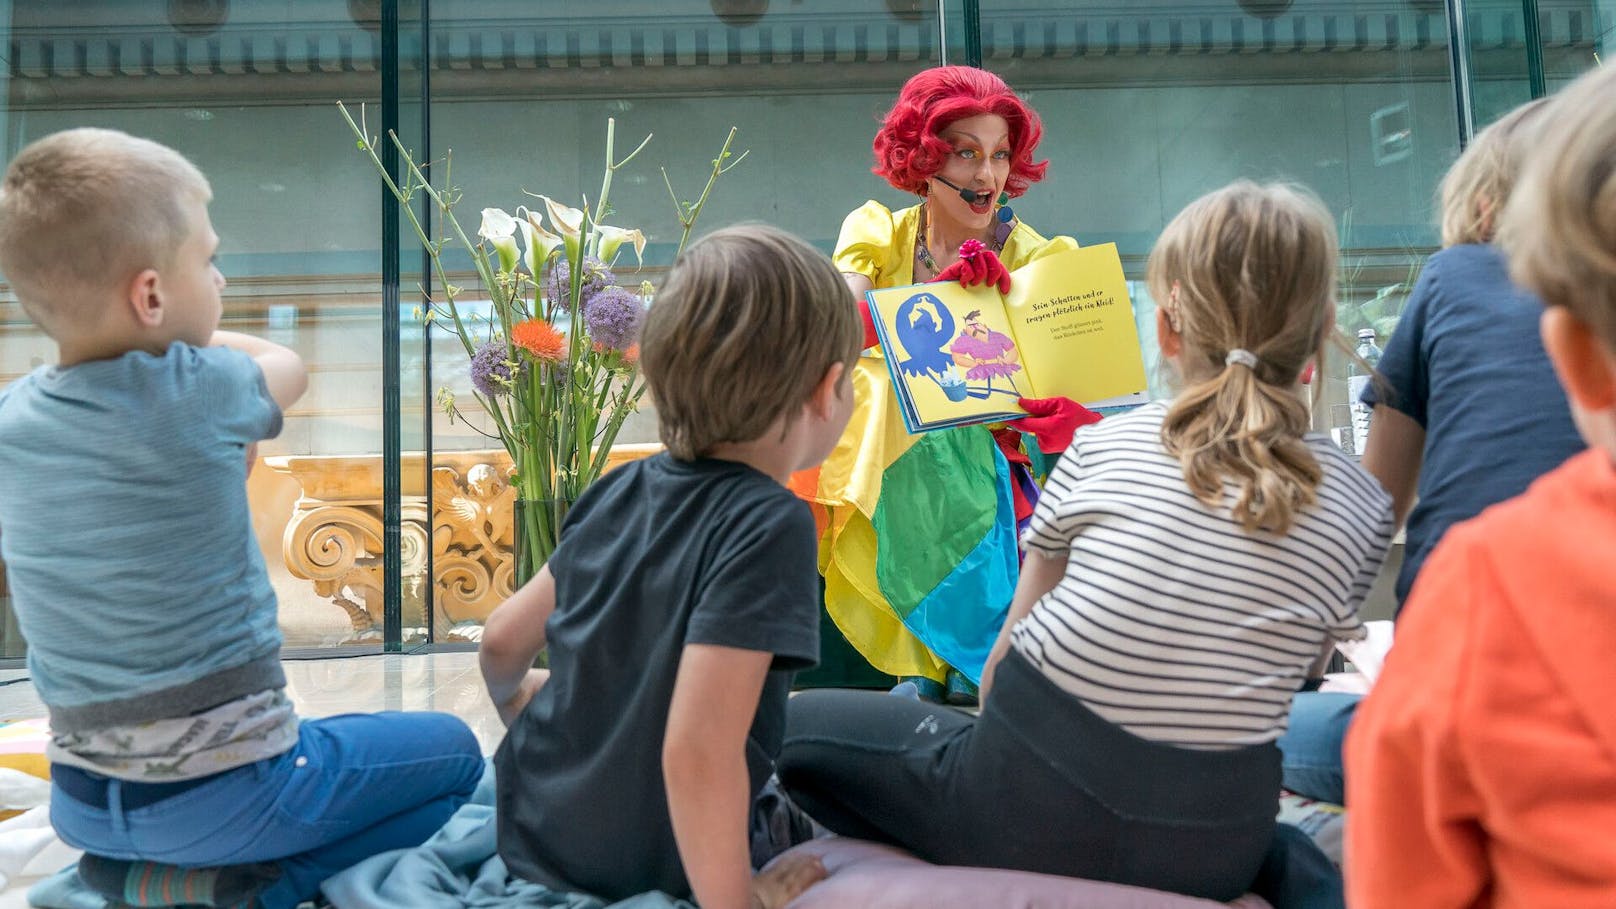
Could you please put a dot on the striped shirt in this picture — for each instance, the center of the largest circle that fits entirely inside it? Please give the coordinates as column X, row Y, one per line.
column 1171, row 621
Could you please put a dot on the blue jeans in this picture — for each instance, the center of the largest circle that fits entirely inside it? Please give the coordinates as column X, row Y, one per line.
column 352, row 787
column 1312, row 766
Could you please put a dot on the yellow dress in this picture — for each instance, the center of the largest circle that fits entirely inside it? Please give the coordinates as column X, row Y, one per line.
column 859, row 569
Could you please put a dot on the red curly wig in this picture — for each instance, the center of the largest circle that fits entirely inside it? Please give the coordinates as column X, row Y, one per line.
column 908, row 150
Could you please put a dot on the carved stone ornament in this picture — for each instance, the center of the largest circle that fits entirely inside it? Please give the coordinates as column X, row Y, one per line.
column 334, row 537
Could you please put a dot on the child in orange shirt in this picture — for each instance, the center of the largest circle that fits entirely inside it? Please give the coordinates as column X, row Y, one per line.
column 1482, row 768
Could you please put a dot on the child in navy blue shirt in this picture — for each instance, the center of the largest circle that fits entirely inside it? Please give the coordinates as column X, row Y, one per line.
column 1467, row 413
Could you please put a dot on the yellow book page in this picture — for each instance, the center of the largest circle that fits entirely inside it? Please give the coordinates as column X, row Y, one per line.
column 951, row 353
column 1074, row 326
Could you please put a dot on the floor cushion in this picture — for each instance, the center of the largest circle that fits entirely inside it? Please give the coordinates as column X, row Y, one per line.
column 873, row 876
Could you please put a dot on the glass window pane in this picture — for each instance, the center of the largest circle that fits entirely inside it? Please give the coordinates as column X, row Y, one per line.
column 522, row 103
column 1576, row 36
column 247, row 92
column 1145, row 110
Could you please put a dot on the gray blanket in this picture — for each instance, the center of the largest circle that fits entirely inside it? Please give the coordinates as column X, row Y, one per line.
column 458, row 869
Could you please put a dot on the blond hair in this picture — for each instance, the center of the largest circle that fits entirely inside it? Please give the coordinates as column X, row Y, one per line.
column 83, row 211
column 1251, row 268
column 744, row 328
column 1560, row 229
column 1478, row 185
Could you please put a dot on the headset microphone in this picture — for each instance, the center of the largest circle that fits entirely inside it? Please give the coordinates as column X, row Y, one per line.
column 970, row 196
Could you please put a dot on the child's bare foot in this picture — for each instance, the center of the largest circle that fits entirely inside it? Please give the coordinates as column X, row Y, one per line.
column 784, row 879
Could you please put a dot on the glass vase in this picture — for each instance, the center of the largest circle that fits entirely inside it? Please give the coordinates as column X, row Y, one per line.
column 537, row 530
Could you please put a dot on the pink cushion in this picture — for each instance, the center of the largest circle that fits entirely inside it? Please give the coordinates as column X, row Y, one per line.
column 872, row 876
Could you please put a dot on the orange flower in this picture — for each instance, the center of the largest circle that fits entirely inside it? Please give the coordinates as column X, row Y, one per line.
column 630, row 356
column 540, row 338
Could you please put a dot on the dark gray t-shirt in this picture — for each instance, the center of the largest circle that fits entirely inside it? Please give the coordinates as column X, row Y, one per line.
column 656, row 555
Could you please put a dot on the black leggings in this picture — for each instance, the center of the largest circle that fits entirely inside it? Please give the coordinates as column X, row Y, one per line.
column 1037, row 783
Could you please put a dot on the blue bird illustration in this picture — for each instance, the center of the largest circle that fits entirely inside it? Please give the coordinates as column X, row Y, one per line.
column 924, row 327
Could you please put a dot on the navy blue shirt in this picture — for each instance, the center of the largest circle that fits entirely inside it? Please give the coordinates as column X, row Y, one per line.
column 655, row 555
column 1467, row 364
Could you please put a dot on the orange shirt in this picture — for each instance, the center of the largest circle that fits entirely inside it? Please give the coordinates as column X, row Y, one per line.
column 1481, row 770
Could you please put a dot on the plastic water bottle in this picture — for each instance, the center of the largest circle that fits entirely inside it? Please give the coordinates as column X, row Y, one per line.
column 1357, row 381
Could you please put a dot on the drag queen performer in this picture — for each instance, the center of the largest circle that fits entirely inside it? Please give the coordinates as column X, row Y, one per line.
column 919, row 548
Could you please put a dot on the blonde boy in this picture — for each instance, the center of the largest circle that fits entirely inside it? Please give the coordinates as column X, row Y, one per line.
column 683, row 593
column 135, row 575
column 1482, row 768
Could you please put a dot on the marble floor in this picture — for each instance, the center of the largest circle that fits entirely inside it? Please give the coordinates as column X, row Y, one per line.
column 448, row 682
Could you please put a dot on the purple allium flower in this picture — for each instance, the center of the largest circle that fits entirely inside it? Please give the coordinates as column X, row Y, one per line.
column 490, row 364
column 558, row 280
column 613, row 317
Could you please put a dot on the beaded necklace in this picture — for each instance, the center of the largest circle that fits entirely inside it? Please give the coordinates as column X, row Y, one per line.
column 1001, row 233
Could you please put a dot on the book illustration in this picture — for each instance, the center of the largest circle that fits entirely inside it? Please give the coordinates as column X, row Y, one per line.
column 959, row 355
column 986, row 355
column 924, row 324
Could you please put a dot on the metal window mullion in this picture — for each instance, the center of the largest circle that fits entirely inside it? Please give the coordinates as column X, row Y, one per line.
column 971, row 13
column 424, row 66
column 1459, row 67
column 392, row 510
column 1534, row 49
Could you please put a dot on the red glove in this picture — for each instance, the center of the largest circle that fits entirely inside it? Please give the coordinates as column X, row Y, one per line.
column 977, row 265
column 871, row 339
column 1052, row 421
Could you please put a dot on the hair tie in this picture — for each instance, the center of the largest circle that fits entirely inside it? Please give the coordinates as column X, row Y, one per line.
column 1242, row 357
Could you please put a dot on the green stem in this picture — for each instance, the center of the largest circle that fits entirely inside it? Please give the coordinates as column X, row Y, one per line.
column 719, row 169
column 633, row 388
column 434, row 251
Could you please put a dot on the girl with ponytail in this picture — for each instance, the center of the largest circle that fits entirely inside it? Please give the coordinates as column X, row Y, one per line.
column 1187, row 564
column 1248, row 276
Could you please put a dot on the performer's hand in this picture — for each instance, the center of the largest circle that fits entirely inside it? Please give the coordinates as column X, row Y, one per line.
column 977, row 265
column 871, row 339
column 1052, row 421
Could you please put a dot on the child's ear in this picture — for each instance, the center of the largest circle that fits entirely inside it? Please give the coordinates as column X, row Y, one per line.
column 1587, row 370
column 145, row 299
column 822, row 403
column 1169, row 340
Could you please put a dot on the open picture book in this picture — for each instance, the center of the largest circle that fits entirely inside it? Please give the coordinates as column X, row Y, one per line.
column 961, row 355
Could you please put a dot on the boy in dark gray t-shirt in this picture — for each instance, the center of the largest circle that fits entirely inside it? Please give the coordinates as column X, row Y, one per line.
column 682, row 594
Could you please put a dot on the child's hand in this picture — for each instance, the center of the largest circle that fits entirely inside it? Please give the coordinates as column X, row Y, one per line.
column 784, row 879
column 531, row 683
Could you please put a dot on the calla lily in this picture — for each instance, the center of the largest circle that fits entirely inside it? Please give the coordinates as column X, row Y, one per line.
column 499, row 229
column 611, row 238
column 569, row 223
column 538, row 241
